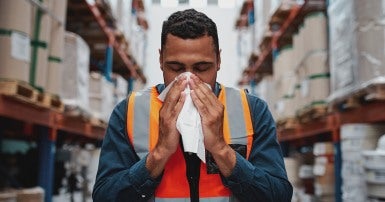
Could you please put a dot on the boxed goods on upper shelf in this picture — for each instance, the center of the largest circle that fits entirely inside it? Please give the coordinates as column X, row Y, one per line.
column 15, row 35
column 357, row 46
column 74, row 78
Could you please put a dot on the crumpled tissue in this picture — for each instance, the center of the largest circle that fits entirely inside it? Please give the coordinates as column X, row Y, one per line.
column 189, row 122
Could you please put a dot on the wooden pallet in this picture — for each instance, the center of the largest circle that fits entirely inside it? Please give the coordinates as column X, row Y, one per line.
column 76, row 112
column 310, row 113
column 287, row 123
column 51, row 101
column 19, row 90
column 375, row 92
column 97, row 122
column 370, row 93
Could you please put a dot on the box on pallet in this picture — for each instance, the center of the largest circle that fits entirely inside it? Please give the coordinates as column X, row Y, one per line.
column 292, row 168
column 359, row 137
column 15, row 35
column 56, row 48
column 101, row 93
column 315, row 32
column 355, row 138
column 357, row 46
column 74, row 80
column 316, row 62
column 323, row 169
column 40, row 37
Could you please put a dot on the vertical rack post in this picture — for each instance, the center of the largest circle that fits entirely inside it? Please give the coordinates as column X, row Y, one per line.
column 46, row 143
column 109, row 61
column 336, row 124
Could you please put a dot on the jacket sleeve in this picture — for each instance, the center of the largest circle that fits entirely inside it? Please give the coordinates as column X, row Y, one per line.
column 121, row 175
column 263, row 176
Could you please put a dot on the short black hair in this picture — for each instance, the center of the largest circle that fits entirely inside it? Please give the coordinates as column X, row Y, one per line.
column 190, row 24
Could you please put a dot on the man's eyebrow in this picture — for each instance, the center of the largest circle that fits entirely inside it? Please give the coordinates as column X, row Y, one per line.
column 203, row 63
column 174, row 63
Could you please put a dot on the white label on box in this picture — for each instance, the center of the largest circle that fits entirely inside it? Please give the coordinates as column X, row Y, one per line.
column 20, row 46
column 305, row 88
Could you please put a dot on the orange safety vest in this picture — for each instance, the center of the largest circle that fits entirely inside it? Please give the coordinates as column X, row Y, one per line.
column 143, row 130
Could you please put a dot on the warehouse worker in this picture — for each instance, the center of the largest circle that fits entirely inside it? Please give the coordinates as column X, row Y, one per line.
column 142, row 156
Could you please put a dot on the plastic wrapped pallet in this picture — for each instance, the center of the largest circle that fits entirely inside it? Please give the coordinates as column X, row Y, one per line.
column 75, row 81
column 371, row 52
column 343, row 48
column 40, row 36
column 101, row 96
column 356, row 138
column 15, row 35
column 56, row 47
column 357, row 46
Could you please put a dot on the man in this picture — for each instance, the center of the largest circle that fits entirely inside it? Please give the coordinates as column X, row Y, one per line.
column 142, row 157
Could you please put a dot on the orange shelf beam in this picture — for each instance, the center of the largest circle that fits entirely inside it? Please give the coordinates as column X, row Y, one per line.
column 32, row 114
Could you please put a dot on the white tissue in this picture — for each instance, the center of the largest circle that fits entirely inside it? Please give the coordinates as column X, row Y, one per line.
column 189, row 122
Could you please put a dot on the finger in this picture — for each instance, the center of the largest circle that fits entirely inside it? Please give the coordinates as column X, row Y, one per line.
column 174, row 93
column 203, row 92
column 201, row 107
column 179, row 104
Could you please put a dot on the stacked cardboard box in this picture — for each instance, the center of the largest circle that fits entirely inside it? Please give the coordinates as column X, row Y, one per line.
column 56, row 47
column 324, row 183
column 40, row 38
column 15, row 34
column 355, row 138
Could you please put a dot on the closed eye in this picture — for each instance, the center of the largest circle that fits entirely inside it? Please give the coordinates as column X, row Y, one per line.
column 175, row 66
column 203, row 66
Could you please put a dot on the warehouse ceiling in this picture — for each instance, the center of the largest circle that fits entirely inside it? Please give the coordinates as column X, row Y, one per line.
column 82, row 21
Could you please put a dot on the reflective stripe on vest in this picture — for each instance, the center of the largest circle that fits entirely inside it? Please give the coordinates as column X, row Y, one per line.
column 143, row 129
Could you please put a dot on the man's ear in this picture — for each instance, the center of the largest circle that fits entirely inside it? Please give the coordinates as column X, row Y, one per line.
column 160, row 59
column 219, row 60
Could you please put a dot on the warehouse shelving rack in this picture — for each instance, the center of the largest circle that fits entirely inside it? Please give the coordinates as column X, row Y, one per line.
column 326, row 127
column 43, row 125
column 24, row 118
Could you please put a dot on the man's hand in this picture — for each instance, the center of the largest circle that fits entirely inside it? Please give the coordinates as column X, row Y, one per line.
column 169, row 136
column 211, row 111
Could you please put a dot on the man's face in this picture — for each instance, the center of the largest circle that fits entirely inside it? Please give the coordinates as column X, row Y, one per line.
column 189, row 55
